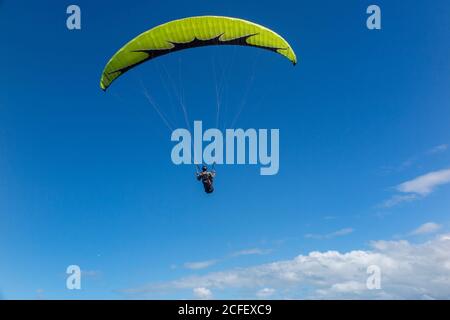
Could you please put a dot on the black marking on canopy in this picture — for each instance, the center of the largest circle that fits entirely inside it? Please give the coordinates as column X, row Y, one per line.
column 154, row 53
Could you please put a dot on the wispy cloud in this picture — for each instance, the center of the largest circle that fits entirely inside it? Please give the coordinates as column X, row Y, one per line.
column 426, row 183
column 418, row 187
column 414, row 160
column 197, row 265
column 409, row 271
column 200, row 264
column 397, row 199
column 338, row 233
column 91, row 273
column 252, row 251
column 265, row 293
column 438, row 149
column 40, row 294
column 202, row 293
column 426, row 228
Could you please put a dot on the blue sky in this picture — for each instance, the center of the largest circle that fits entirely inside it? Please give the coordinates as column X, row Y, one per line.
column 86, row 176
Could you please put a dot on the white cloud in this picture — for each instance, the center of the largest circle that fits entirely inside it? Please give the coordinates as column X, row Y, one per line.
column 429, row 227
column 199, row 264
column 265, row 293
column 408, row 271
column 418, row 187
column 202, row 293
column 338, row 233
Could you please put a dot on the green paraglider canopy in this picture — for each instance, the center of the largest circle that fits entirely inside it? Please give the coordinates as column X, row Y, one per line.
column 190, row 33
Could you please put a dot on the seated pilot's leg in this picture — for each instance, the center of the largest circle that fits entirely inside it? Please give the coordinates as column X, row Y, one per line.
column 207, row 185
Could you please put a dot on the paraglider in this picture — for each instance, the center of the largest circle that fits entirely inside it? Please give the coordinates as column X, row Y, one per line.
column 190, row 33
column 207, row 178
